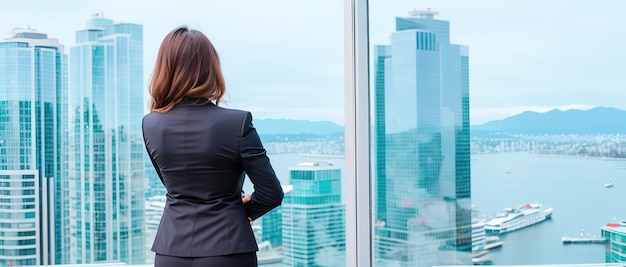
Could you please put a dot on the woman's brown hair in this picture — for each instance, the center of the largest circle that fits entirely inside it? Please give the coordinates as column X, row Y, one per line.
column 187, row 66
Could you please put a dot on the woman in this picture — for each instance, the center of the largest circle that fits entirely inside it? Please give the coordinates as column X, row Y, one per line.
column 202, row 152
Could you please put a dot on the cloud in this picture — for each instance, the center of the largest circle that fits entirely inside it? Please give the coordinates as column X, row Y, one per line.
column 523, row 53
column 286, row 54
column 529, row 53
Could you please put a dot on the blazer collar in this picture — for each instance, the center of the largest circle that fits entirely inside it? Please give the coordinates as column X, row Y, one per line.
column 187, row 102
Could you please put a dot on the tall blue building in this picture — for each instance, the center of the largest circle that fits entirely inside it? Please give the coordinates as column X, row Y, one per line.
column 33, row 120
column 615, row 235
column 313, row 217
column 272, row 227
column 422, row 154
column 106, row 184
column 272, row 224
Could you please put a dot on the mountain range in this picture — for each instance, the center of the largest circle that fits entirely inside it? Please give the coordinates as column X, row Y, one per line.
column 603, row 120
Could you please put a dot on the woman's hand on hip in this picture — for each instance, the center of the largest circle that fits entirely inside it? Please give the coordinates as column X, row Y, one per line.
column 245, row 198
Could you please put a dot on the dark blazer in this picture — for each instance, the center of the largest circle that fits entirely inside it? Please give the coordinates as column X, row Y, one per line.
column 201, row 154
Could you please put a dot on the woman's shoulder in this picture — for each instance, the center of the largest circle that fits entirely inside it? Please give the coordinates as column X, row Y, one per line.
column 231, row 110
column 153, row 116
column 240, row 113
column 149, row 117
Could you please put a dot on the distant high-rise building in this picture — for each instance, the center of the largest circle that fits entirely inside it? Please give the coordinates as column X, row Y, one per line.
column 272, row 227
column 33, row 117
column 272, row 223
column 106, row 179
column 313, row 217
column 615, row 235
column 422, row 149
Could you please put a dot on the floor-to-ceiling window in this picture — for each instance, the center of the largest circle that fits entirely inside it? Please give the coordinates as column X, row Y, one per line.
column 401, row 130
column 493, row 132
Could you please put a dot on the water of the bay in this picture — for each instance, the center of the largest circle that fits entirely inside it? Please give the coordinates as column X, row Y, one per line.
column 574, row 187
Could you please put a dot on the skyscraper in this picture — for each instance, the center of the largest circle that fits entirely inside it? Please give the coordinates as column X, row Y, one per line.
column 32, row 115
column 106, row 185
column 313, row 217
column 422, row 160
column 615, row 235
column 272, row 224
column 32, row 141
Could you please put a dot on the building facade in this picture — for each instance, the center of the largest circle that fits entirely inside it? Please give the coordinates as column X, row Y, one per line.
column 33, row 91
column 422, row 150
column 615, row 234
column 313, row 217
column 272, row 227
column 106, row 178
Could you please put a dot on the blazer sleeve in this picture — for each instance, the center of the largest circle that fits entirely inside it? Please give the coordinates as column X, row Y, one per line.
column 145, row 140
column 268, row 193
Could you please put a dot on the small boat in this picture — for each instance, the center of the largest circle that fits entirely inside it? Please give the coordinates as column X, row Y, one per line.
column 492, row 238
column 507, row 170
column 479, row 253
column 484, row 260
column 608, row 184
column 492, row 245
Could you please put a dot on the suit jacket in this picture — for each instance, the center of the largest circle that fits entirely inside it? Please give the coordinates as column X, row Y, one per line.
column 201, row 154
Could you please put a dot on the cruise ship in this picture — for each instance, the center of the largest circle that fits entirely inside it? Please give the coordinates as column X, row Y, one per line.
column 513, row 219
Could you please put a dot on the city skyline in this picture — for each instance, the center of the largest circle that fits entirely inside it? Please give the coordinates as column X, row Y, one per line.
column 421, row 152
column 536, row 66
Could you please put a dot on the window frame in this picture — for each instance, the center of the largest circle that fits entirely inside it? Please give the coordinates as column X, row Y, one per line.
column 358, row 192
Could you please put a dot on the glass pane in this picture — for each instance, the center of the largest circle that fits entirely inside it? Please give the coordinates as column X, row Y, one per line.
column 73, row 91
column 524, row 175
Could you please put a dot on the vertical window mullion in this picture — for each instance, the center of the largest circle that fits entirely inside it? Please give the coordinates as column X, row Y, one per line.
column 357, row 146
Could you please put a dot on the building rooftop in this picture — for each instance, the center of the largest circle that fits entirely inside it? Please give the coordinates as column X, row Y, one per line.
column 315, row 165
column 423, row 13
column 26, row 33
column 33, row 38
column 619, row 227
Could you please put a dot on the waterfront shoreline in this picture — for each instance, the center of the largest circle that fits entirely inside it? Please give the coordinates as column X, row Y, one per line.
column 552, row 155
column 578, row 157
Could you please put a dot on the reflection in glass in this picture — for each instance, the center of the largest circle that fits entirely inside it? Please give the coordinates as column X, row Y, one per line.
column 422, row 158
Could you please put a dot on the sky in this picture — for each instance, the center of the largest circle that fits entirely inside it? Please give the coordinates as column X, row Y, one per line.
column 284, row 58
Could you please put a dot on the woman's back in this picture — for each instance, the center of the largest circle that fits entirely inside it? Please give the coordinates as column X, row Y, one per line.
column 202, row 152
column 197, row 150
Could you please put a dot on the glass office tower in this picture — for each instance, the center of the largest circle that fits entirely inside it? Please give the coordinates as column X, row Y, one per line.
column 272, row 224
column 313, row 217
column 272, row 227
column 422, row 153
column 615, row 246
column 32, row 135
column 106, row 182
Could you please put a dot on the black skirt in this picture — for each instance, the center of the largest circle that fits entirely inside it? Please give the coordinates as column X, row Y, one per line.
column 240, row 260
